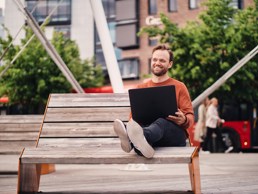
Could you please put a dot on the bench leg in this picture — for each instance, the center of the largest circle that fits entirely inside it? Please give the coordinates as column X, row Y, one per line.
column 47, row 168
column 194, row 172
column 28, row 178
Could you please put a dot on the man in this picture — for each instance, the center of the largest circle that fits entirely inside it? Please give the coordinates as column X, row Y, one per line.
column 170, row 131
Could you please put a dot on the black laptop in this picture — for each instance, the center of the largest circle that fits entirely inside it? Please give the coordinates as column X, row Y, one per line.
column 149, row 104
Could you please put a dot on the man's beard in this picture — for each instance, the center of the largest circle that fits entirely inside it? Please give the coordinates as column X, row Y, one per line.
column 161, row 72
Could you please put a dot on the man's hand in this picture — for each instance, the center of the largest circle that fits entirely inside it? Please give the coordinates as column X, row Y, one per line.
column 179, row 119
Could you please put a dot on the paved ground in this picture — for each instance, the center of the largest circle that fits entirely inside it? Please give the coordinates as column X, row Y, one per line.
column 220, row 174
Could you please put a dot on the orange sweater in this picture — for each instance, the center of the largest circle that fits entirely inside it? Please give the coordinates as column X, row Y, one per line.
column 182, row 96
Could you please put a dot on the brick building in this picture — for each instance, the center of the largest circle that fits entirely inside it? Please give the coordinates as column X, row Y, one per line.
column 124, row 17
column 179, row 11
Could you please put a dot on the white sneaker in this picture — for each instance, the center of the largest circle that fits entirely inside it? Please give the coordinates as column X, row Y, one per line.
column 135, row 134
column 204, row 152
column 230, row 148
column 120, row 130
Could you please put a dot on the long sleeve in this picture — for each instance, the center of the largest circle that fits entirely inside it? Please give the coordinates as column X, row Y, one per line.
column 212, row 117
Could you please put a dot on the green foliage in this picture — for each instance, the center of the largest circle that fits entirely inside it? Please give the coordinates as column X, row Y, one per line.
column 29, row 81
column 206, row 50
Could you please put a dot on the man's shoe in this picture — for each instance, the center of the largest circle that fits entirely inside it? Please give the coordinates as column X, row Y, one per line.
column 135, row 134
column 120, row 130
column 230, row 148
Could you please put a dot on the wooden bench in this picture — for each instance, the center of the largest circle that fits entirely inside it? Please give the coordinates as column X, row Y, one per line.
column 78, row 129
column 16, row 132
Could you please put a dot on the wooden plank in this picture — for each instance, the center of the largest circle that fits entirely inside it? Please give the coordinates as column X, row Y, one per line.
column 78, row 142
column 8, row 163
column 14, row 136
column 21, row 119
column 67, row 115
column 15, row 147
column 89, row 100
column 78, row 130
column 20, row 127
column 166, row 155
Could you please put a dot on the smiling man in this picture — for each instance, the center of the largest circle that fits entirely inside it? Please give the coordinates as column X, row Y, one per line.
column 164, row 132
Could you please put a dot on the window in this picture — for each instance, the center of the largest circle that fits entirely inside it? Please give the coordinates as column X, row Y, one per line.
column 41, row 9
column 172, row 5
column 100, row 59
column 126, row 10
column 237, row 4
column 235, row 111
column 66, row 30
column 193, row 4
column 129, row 68
column 152, row 7
column 153, row 41
column 127, row 18
column 126, row 35
column 109, row 8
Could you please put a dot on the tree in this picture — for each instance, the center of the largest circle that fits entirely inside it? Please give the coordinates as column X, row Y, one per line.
column 29, row 81
column 207, row 49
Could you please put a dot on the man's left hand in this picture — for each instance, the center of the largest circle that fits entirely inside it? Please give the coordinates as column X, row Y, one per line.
column 179, row 119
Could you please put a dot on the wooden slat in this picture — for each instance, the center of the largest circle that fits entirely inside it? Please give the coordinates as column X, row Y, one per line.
column 18, row 131
column 78, row 142
column 67, row 115
column 104, row 156
column 8, row 164
column 18, row 136
column 89, row 100
column 21, row 119
column 20, row 127
column 15, row 147
column 78, row 130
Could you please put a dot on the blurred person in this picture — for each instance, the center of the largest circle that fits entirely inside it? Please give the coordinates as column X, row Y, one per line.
column 164, row 132
column 200, row 127
column 212, row 122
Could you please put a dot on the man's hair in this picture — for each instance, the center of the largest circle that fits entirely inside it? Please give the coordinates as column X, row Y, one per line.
column 164, row 47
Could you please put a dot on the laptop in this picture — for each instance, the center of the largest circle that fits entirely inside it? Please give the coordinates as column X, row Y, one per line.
column 149, row 104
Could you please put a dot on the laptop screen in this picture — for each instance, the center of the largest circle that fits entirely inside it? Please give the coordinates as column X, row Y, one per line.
column 149, row 104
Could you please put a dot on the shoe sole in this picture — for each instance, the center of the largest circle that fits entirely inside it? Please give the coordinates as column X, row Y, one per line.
column 135, row 134
column 120, row 130
column 229, row 150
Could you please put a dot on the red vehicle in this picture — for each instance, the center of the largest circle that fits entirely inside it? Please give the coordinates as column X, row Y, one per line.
column 239, row 130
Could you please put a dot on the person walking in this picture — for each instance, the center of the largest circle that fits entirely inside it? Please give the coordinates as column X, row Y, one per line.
column 200, row 127
column 170, row 131
column 212, row 122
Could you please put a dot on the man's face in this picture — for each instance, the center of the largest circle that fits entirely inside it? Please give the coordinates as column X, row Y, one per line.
column 160, row 62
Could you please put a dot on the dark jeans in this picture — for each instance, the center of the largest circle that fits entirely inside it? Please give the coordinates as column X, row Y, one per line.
column 164, row 133
column 208, row 138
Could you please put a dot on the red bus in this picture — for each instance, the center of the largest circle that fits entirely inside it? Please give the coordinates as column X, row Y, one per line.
column 239, row 130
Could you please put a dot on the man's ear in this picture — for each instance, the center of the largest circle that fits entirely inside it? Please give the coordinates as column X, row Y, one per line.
column 170, row 64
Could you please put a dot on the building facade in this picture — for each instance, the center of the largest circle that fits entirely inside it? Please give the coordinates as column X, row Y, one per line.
column 124, row 17
column 72, row 17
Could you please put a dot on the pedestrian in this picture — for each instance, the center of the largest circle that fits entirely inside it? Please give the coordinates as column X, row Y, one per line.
column 200, row 127
column 213, row 121
column 170, row 131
